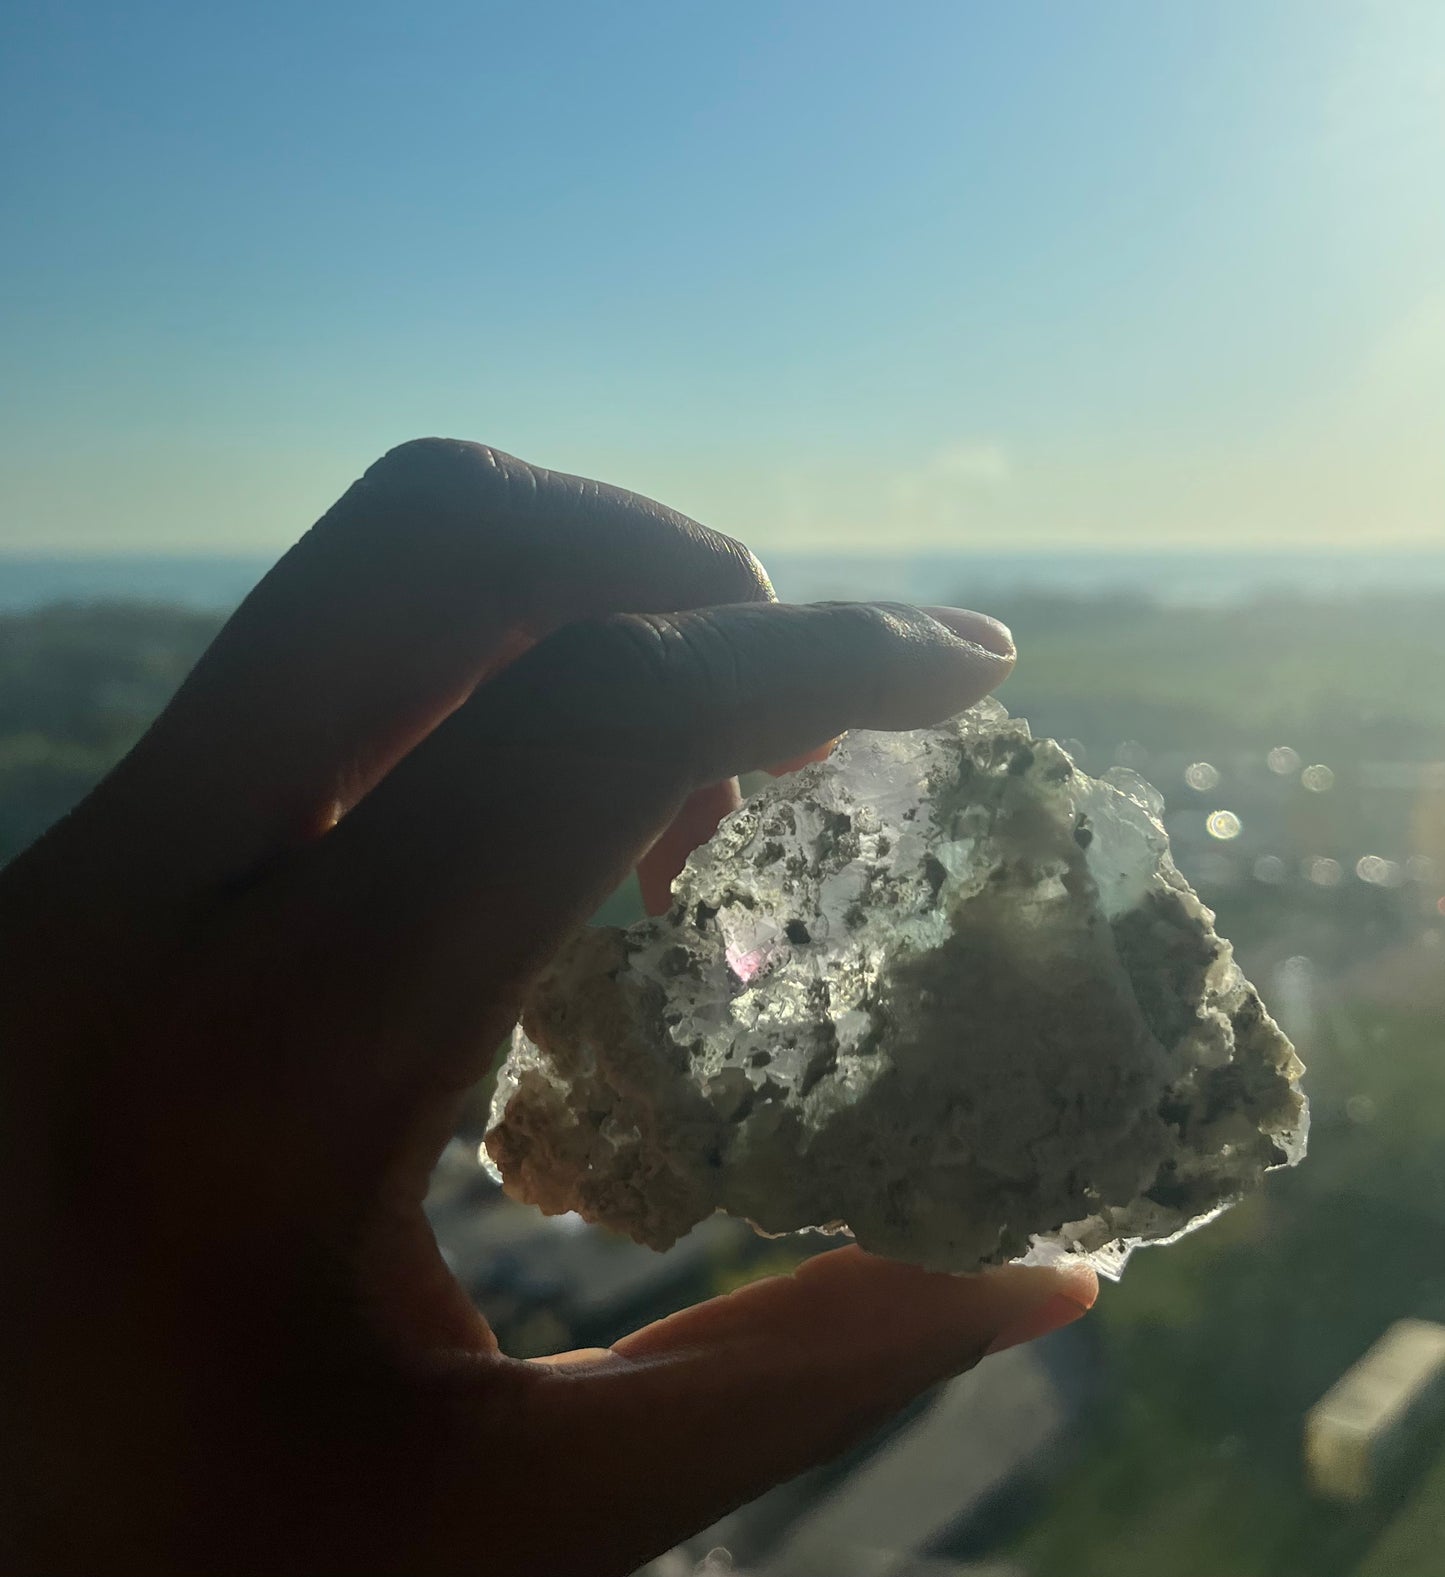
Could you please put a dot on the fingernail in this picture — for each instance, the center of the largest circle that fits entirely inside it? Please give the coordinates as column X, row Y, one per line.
column 983, row 631
column 1051, row 1315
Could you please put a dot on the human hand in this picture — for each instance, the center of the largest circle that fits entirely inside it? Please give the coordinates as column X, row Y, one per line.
column 248, row 982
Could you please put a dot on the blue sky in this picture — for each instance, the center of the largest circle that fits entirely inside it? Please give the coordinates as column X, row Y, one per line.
column 829, row 275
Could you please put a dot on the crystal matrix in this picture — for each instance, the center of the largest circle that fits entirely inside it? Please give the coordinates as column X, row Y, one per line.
column 941, row 990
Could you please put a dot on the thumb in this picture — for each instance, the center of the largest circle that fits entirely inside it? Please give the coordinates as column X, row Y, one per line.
column 690, row 1417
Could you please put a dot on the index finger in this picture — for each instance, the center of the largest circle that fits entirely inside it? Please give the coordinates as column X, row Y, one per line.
column 435, row 569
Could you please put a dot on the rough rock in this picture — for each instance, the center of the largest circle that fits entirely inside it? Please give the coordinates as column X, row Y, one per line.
column 942, row 991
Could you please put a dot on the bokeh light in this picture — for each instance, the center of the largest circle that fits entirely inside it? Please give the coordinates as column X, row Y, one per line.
column 1283, row 761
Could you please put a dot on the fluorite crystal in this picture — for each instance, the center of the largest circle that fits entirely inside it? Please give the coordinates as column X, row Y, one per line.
column 942, row 991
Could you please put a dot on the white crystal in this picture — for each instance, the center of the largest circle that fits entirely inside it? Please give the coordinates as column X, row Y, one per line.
column 942, row 991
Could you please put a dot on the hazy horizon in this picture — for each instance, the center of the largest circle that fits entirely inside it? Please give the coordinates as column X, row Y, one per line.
column 1302, row 551
column 211, row 581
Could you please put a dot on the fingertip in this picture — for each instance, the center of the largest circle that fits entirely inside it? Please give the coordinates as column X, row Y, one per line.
column 946, row 1321
column 980, row 628
column 1080, row 1284
column 892, row 1321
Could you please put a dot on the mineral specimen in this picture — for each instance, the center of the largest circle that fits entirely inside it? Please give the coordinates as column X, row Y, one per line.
column 942, row 991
